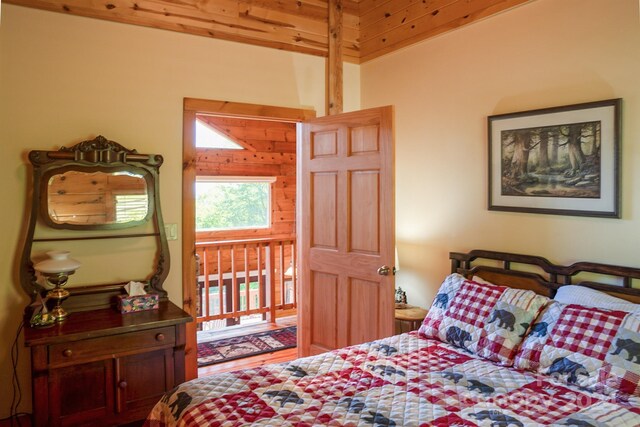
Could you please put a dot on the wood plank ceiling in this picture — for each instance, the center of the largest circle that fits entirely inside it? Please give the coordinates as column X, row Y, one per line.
column 370, row 28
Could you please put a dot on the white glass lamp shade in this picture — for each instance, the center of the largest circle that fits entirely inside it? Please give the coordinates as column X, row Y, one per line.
column 58, row 262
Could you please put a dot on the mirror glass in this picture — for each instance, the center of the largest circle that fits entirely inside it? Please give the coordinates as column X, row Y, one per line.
column 97, row 198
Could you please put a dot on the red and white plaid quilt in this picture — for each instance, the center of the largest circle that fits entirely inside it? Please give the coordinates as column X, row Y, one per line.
column 404, row 380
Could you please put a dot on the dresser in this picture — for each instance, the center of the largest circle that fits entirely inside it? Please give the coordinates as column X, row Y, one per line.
column 103, row 368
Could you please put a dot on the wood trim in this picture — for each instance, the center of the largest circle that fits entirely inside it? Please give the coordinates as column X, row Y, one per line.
column 189, row 238
column 239, row 109
column 191, row 107
column 370, row 28
column 298, row 26
column 334, row 62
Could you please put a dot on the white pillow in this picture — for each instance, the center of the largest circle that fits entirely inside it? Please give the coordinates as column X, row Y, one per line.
column 573, row 294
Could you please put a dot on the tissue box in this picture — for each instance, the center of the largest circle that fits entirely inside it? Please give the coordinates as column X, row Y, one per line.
column 127, row 304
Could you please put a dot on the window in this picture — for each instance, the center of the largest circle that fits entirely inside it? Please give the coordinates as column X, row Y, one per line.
column 226, row 203
column 207, row 136
column 131, row 207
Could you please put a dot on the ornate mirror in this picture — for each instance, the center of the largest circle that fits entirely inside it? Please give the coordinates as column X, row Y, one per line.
column 102, row 195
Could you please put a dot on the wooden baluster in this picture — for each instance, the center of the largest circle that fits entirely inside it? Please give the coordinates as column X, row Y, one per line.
column 247, row 279
column 271, row 290
column 234, row 282
column 220, row 282
column 294, row 297
column 261, row 288
column 205, row 271
column 281, row 273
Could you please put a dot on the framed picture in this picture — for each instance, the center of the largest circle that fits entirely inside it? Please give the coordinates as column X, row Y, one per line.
column 562, row 161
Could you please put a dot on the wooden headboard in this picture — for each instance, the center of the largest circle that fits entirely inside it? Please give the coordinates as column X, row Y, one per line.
column 540, row 275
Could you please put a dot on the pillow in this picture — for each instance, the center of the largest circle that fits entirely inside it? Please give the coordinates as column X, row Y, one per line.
column 572, row 294
column 485, row 319
column 593, row 348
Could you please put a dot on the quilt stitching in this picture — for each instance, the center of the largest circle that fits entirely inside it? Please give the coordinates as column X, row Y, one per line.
column 477, row 304
column 588, row 331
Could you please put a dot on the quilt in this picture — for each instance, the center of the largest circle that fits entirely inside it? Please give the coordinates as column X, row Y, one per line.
column 404, row 380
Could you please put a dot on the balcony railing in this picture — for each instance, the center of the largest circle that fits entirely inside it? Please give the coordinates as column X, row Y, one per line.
column 239, row 278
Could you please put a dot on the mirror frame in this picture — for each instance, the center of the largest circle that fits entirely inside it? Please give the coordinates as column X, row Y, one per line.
column 98, row 154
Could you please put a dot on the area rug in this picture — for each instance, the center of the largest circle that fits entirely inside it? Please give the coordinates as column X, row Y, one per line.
column 227, row 349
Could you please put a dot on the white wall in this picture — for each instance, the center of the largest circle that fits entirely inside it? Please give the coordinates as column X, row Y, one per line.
column 64, row 79
column 543, row 54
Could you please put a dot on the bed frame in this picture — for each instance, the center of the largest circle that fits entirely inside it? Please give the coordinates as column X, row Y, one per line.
column 543, row 277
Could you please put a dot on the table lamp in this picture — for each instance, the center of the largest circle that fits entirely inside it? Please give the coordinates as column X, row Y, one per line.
column 56, row 270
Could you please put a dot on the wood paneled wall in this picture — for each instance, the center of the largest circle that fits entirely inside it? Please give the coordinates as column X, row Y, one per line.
column 270, row 151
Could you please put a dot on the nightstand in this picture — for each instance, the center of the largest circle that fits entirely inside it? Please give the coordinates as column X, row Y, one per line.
column 409, row 318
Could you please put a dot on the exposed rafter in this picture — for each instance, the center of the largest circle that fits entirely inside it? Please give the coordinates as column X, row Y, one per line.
column 370, row 28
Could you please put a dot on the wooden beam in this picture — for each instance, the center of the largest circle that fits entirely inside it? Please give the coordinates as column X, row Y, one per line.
column 334, row 62
column 296, row 26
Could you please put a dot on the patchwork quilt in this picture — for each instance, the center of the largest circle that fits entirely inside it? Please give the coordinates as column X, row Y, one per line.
column 404, row 380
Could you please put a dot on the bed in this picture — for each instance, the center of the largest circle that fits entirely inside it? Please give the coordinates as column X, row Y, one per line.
column 494, row 350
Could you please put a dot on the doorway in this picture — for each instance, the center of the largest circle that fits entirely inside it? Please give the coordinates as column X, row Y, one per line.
column 265, row 138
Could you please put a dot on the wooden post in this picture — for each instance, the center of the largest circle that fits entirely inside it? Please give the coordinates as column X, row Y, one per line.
column 334, row 62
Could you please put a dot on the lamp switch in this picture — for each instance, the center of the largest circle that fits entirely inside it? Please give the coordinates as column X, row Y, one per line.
column 171, row 230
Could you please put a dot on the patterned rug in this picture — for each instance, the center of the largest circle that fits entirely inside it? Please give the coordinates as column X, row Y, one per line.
column 227, row 349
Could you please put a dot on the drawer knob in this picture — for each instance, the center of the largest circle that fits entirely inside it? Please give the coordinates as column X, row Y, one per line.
column 67, row 352
column 123, row 384
column 160, row 337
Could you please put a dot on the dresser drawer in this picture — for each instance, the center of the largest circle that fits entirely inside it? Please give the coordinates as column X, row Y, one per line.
column 95, row 348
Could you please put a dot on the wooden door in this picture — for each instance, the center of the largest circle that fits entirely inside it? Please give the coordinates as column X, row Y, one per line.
column 346, row 229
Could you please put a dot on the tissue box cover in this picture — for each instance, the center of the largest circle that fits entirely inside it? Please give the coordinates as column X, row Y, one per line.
column 127, row 304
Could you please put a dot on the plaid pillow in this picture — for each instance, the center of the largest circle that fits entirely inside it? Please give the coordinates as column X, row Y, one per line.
column 482, row 318
column 596, row 349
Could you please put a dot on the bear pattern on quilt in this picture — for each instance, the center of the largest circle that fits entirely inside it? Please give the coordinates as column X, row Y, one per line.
column 404, row 380
column 481, row 318
column 596, row 349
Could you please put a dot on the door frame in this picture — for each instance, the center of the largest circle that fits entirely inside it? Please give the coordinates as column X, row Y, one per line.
column 191, row 107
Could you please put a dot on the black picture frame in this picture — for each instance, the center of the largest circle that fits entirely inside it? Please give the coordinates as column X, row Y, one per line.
column 560, row 160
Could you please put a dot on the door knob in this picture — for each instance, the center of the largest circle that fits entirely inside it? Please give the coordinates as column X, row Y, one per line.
column 384, row 270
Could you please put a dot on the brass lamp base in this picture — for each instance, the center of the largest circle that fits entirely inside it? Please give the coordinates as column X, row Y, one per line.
column 58, row 294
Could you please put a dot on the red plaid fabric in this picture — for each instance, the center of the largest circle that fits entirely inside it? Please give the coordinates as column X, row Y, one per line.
column 495, row 346
column 429, row 359
column 438, row 394
column 236, row 409
column 545, row 402
column 588, row 331
column 529, row 357
column 335, row 385
column 474, row 302
column 623, row 380
column 450, row 420
column 262, row 378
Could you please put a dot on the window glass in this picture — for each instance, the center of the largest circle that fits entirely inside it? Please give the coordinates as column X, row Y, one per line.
column 224, row 203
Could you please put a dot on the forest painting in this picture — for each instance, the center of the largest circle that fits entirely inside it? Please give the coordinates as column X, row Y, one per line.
column 560, row 160
column 552, row 161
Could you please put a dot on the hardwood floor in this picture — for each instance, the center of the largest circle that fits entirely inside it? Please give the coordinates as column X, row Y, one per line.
column 254, row 361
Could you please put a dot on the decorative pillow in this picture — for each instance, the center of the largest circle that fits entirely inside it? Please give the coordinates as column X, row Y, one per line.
column 484, row 319
column 572, row 294
column 595, row 349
